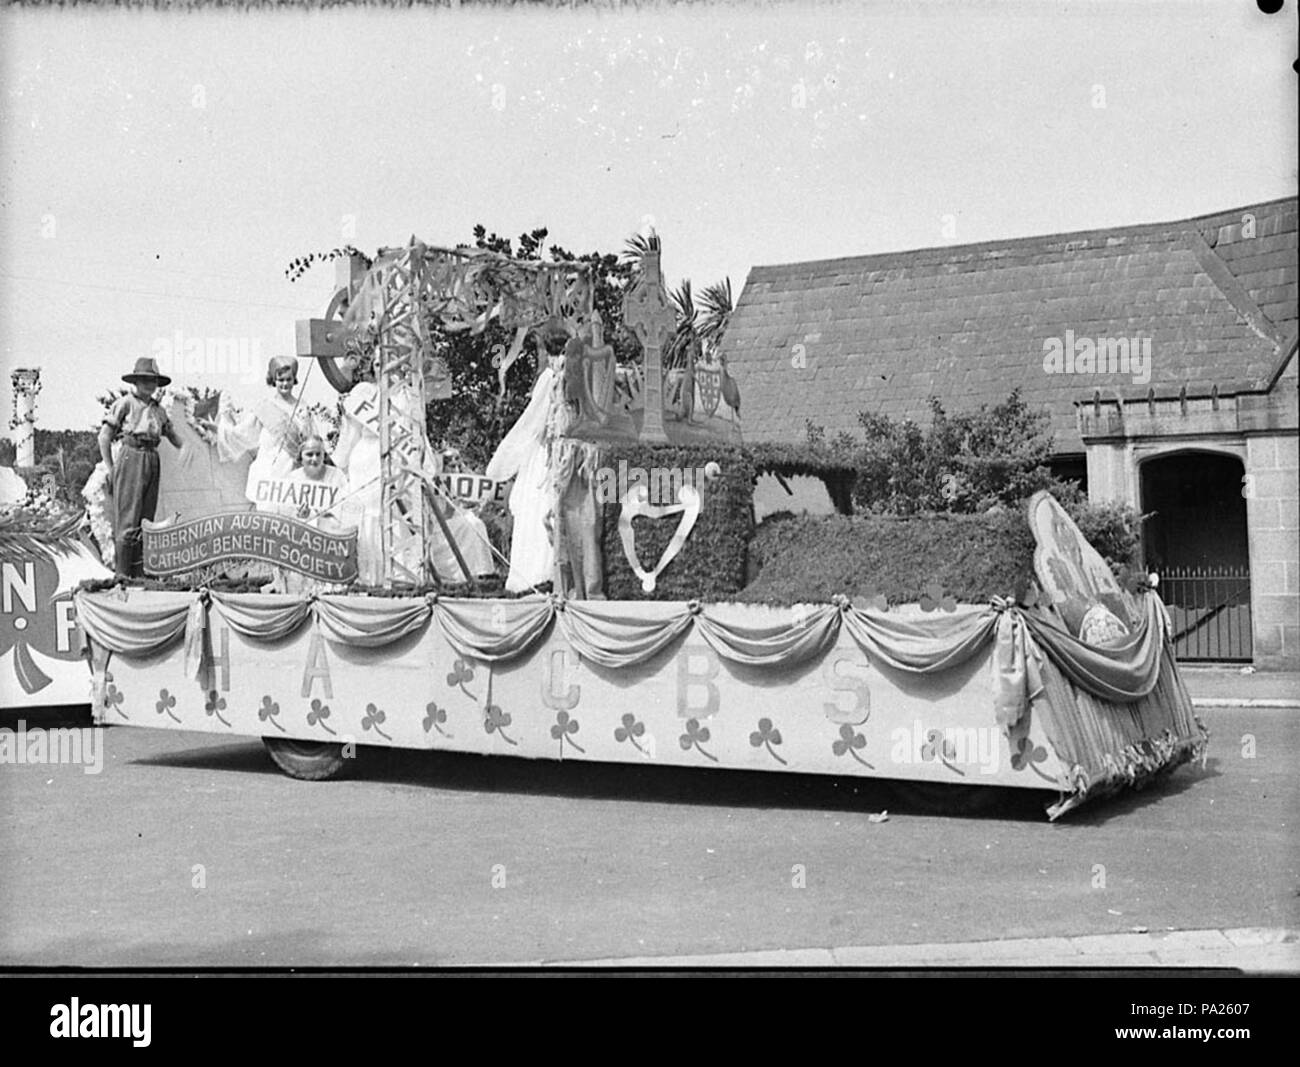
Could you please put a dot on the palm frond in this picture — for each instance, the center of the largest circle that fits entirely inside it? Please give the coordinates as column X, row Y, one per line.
column 684, row 304
column 718, row 305
column 638, row 245
column 27, row 533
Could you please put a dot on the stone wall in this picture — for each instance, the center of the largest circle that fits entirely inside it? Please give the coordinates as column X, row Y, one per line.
column 1261, row 429
column 1272, row 474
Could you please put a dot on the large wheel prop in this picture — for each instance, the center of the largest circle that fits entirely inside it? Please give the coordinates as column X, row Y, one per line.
column 332, row 366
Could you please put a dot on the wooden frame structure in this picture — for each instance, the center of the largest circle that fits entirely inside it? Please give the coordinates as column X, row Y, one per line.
column 389, row 309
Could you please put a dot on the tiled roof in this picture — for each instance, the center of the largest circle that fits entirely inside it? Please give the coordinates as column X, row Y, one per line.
column 968, row 323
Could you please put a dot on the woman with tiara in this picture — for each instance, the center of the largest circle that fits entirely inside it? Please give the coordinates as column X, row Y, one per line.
column 274, row 428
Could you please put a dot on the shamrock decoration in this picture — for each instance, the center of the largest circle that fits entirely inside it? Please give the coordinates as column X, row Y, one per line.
column 23, row 628
column 564, row 725
column 940, row 747
column 318, row 714
column 215, row 705
column 461, row 672
column 767, row 735
column 498, row 720
column 932, row 596
column 630, row 731
column 112, row 695
column 166, row 701
column 268, row 711
column 695, row 737
column 849, row 740
column 1026, row 755
column 434, row 717
column 374, row 717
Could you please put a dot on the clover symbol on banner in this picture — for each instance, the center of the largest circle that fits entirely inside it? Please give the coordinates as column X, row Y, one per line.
column 215, row 705
column 933, row 596
column 461, row 672
column 1027, row 754
column 113, row 696
column 434, row 717
column 630, row 731
column 940, row 747
column 166, row 701
column 766, row 736
column 564, row 726
column 498, row 720
column 318, row 714
column 373, row 718
column 268, row 711
column 849, row 740
column 696, row 736
column 24, row 629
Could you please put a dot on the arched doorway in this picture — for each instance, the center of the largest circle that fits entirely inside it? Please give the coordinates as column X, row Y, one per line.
column 1196, row 540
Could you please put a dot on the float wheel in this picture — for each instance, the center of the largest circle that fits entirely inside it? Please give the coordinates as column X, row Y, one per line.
column 310, row 761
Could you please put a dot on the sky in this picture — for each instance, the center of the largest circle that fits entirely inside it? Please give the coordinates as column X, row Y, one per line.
column 160, row 170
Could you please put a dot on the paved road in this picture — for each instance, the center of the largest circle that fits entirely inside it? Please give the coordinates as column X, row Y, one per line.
column 191, row 850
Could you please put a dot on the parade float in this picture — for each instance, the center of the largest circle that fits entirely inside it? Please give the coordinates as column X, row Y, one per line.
column 622, row 634
column 45, row 554
column 42, row 561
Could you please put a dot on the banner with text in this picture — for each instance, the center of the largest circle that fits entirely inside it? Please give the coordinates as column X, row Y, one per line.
column 243, row 536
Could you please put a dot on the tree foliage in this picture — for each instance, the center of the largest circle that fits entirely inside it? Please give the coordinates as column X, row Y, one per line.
column 984, row 460
column 961, row 463
column 476, row 416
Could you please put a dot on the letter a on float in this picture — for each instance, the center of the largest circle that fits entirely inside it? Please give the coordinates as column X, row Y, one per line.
column 317, row 668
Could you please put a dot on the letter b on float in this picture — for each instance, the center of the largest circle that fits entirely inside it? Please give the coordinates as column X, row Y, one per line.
column 696, row 668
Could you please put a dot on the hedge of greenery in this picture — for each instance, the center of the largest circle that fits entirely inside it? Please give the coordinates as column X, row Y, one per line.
column 967, row 557
column 711, row 564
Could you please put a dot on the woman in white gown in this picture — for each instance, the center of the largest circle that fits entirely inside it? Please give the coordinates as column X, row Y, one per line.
column 273, row 428
column 522, row 455
column 358, row 454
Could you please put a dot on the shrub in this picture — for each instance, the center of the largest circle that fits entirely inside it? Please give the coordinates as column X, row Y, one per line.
column 1113, row 529
column 969, row 557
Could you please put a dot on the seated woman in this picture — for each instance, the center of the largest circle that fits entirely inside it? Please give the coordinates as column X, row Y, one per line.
column 317, row 494
column 322, row 493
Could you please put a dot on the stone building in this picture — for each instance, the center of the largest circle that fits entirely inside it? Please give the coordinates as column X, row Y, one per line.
column 1165, row 355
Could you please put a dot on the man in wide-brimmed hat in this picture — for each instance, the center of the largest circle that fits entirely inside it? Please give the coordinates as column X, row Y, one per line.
column 141, row 422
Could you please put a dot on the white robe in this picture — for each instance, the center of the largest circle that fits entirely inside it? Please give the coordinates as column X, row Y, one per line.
column 522, row 455
column 323, row 518
column 265, row 429
column 358, row 454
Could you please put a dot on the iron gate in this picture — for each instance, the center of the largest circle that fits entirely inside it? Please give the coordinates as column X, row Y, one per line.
column 1210, row 609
